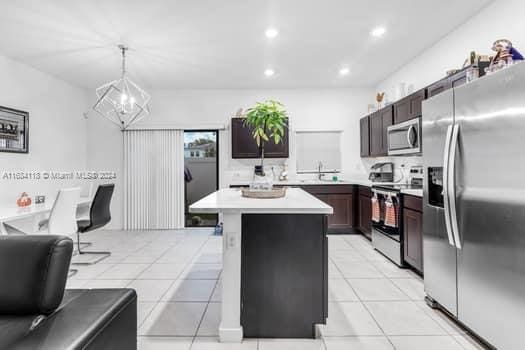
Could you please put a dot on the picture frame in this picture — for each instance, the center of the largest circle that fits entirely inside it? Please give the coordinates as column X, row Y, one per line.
column 14, row 130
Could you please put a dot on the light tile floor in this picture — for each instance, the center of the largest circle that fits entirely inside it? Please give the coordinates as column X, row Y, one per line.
column 373, row 305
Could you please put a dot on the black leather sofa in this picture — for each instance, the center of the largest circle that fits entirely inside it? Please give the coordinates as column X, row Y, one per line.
column 37, row 313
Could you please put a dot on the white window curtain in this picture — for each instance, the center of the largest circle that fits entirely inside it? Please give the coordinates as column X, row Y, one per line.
column 154, row 179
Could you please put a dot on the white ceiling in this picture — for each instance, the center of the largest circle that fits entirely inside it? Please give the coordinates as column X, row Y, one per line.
column 221, row 43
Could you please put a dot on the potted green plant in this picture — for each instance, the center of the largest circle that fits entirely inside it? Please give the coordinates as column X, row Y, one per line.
column 268, row 121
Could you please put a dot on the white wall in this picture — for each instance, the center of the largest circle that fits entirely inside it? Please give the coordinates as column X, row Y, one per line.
column 308, row 109
column 501, row 19
column 57, row 129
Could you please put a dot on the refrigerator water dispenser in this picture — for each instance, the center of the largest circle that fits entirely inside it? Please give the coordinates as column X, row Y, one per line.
column 435, row 187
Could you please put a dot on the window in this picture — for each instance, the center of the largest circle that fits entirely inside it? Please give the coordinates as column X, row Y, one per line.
column 314, row 147
column 201, row 173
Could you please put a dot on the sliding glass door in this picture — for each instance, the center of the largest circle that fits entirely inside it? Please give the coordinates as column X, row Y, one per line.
column 201, row 173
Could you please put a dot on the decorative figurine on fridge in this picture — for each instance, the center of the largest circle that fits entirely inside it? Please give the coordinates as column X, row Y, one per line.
column 505, row 56
column 505, row 51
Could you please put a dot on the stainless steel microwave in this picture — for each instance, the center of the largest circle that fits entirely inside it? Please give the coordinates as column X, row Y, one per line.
column 405, row 138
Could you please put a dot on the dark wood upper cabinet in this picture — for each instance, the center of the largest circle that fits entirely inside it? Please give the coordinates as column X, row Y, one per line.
column 458, row 79
column 244, row 146
column 454, row 80
column 379, row 123
column 281, row 150
column 364, row 125
column 375, row 134
column 409, row 107
column 450, row 82
column 387, row 120
column 438, row 87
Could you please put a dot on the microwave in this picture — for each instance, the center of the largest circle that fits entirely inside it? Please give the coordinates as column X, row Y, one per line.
column 405, row 138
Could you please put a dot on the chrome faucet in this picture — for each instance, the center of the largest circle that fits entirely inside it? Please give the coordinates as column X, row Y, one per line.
column 319, row 168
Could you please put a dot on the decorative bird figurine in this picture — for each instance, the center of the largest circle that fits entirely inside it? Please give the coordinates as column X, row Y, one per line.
column 379, row 98
column 239, row 113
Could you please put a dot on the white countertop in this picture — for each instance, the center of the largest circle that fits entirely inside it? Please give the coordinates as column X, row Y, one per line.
column 413, row 192
column 305, row 182
column 296, row 201
column 296, row 182
column 352, row 181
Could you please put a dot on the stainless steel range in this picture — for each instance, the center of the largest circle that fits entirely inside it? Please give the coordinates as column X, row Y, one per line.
column 387, row 217
column 386, row 237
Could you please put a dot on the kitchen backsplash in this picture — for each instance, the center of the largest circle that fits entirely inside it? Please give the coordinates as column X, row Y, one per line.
column 401, row 165
column 242, row 170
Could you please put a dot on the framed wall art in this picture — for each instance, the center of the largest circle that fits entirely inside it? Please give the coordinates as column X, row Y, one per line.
column 14, row 130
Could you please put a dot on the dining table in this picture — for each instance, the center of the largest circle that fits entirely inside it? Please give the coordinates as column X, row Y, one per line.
column 11, row 215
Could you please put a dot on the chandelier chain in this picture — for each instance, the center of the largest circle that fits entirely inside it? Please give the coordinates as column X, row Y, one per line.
column 123, row 50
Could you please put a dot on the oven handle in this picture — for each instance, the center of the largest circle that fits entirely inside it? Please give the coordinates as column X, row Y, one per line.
column 384, row 192
column 452, row 184
column 446, row 158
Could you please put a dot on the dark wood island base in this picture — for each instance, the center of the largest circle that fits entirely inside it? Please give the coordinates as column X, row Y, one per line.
column 284, row 275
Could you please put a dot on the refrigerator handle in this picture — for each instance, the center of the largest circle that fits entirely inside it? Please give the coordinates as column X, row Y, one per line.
column 452, row 184
column 446, row 157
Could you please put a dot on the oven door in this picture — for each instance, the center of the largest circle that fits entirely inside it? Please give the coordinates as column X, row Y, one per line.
column 387, row 239
column 389, row 230
column 405, row 138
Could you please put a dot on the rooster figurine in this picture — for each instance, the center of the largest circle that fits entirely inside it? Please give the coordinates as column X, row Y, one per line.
column 379, row 99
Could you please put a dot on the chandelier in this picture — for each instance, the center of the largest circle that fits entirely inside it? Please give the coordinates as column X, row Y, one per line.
column 122, row 101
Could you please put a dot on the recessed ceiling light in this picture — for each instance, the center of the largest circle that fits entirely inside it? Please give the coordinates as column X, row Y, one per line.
column 378, row 31
column 271, row 33
column 344, row 71
column 269, row 72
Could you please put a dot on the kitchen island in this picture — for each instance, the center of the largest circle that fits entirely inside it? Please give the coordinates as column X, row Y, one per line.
column 275, row 264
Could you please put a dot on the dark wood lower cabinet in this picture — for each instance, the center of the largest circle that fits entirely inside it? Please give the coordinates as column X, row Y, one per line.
column 365, row 215
column 413, row 238
column 284, row 275
column 341, row 199
column 342, row 220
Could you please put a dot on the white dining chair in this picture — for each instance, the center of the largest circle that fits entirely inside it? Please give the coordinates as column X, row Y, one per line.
column 62, row 219
column 63, row 216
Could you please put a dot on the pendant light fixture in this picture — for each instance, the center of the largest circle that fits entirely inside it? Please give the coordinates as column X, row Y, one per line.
column 122, row 101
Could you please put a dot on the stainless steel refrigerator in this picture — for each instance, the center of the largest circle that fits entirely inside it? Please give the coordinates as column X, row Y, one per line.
column 474, row 205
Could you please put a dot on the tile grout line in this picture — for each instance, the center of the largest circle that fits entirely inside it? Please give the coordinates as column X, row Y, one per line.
column 360, row 301
column 381, row 328
column 207, row 304
column 367, row 309
column 173, row 281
